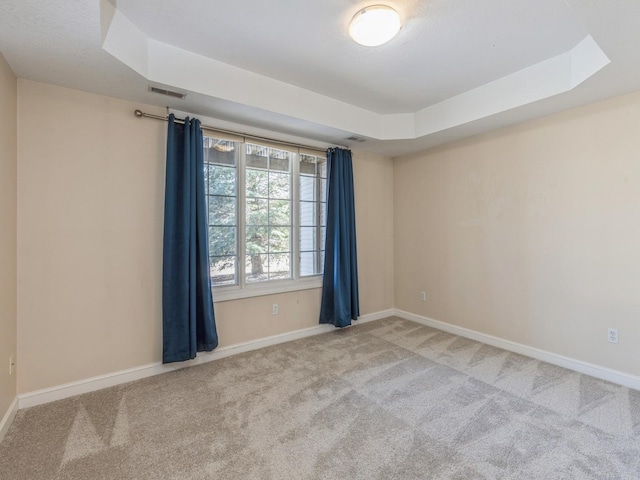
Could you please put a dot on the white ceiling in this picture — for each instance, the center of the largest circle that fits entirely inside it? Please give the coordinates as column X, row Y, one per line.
column 457, row 67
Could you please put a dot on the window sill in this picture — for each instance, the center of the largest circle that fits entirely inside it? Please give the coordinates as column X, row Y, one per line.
column 224, row 294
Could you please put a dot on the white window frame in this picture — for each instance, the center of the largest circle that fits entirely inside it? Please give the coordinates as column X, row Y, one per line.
column 246, row 289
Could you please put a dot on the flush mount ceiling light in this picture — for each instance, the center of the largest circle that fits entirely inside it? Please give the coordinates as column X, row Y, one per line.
column 374, row 25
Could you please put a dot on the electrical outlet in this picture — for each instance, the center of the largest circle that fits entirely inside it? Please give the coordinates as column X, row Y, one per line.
column 612, row 335
column 12, row 364
column 275, row 309
column 423, row 296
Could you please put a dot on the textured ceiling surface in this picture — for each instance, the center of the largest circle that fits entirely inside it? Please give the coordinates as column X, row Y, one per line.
column 445, row 48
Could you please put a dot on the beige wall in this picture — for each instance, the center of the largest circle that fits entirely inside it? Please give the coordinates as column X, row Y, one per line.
column 90, row 194
column 90, row 189
column 373, row 179
column 8, row 159
column 530, row 233
column 240, row 321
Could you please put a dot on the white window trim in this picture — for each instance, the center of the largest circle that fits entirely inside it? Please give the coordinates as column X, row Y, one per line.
column 225, row 293
column 246, row 289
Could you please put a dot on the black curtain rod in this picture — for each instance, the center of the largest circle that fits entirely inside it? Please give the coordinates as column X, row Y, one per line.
column 140, row 113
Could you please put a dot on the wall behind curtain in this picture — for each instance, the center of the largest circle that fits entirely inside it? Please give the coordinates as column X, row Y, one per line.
column 8, row 225
column 530, row 233
column 90, row 192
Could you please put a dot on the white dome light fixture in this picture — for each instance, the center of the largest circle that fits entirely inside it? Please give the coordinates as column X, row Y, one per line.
column 374, row 25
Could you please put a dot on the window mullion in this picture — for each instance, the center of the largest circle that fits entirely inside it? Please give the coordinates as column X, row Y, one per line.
column 318, row 222
column 242, row 205
column 295, row 214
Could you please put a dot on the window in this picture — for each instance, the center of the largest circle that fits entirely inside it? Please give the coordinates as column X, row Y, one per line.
column 268, row 221
column 221, row 178
column 313, row 208
column 267, row 213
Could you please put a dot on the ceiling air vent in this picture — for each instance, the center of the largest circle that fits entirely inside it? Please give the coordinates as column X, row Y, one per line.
column 167, row 92
column 353, row 138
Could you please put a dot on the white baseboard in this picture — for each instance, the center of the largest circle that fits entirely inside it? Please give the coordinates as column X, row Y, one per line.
column 8, row 418
column 614, row 376
column 372, row 317
column 59, row 392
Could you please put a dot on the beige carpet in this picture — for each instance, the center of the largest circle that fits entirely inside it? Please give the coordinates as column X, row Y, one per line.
column 385, row 400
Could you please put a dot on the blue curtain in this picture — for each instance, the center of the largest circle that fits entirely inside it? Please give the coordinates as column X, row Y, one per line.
column 340, row 303
column 188, row 321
